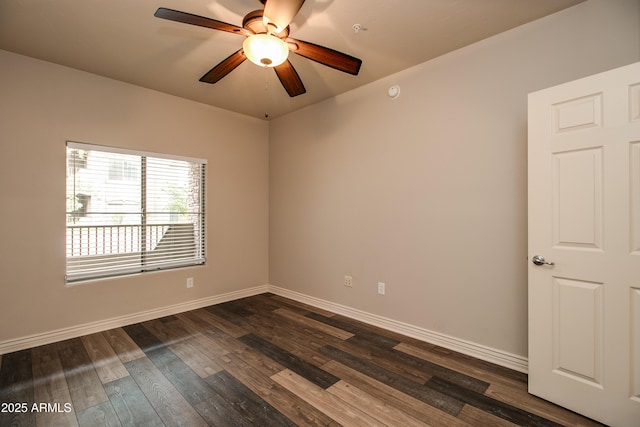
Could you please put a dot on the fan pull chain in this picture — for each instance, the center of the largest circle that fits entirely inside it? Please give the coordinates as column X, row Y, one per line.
column 266, row 91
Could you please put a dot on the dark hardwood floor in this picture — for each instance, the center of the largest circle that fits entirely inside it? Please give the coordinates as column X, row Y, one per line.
column 262, row 361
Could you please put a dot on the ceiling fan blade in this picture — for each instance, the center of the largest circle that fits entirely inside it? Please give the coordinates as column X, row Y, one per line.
column 280, row 13
column 329, row 57
column 290, row 79
column 201, row 21
column 224, row 68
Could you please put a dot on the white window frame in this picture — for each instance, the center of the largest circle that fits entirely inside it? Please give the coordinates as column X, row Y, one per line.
column 176, row 244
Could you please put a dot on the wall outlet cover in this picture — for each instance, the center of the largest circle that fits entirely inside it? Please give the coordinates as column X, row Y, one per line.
column 348, row 281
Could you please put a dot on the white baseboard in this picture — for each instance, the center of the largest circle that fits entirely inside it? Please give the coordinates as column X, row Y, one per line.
column 499, row 357
column 488, row 354
column 117, row 322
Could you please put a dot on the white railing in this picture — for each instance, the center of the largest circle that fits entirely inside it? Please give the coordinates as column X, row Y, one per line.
column 91, row 240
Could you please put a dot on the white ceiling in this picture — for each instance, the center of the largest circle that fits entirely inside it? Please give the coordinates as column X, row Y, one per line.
column 121, row 39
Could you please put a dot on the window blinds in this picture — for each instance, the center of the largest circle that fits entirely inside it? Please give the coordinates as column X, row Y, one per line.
column 130, row 212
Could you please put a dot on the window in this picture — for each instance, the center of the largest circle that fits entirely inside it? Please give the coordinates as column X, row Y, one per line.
column 129, row 212
column 121, row 169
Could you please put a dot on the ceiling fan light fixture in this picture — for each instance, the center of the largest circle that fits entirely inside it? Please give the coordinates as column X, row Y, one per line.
column 265, row 50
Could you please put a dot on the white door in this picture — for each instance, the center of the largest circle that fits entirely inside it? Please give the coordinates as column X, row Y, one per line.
column 584, row 218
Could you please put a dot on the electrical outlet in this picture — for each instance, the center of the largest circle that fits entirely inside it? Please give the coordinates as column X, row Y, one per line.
column 348, row 281
column 189, row 282
column 381, row 288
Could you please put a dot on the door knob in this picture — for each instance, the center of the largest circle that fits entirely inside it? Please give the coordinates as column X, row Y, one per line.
column 539, row 260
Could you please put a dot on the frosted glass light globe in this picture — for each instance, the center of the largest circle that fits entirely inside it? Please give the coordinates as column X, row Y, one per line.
column 265, row 50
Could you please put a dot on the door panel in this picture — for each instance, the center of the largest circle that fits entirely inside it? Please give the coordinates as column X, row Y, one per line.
column 635, row 344
column 577, row 199
column 577, row 330
column 635, row 197
column 634, row 101
column 578, row 114
column 584, row 219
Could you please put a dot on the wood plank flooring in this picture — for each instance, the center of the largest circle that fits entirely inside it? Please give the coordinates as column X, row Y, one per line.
column 262, row 361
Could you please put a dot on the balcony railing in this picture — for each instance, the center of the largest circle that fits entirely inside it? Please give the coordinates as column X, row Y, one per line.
column 96, row 240
column 106, row 250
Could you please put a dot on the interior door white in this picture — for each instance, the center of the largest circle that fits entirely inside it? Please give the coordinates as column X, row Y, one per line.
column 584, row 221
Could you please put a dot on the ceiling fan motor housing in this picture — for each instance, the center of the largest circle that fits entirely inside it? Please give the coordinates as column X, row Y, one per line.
column 253, row 22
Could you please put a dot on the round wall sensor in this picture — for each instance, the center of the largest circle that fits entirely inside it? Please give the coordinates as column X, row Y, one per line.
column 394, row 91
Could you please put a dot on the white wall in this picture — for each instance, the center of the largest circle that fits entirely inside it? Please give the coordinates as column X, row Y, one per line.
column 43, row 105
column 428, row 192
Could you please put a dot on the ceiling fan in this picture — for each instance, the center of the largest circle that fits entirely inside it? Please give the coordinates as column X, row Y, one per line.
column 267, row 43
